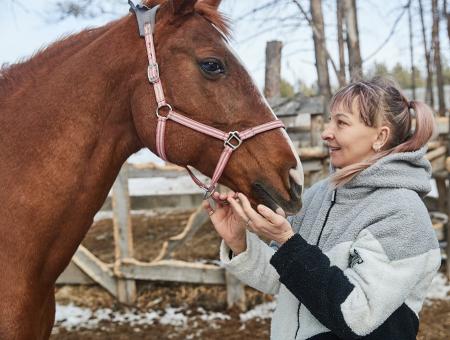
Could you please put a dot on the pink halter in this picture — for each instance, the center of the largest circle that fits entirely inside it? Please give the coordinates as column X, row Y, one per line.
column 232, row 140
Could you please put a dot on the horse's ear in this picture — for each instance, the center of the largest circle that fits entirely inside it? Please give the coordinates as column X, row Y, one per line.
column 212, row 3
column 181, row 7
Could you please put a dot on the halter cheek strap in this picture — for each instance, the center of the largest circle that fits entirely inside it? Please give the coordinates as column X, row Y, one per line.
column 232, row 140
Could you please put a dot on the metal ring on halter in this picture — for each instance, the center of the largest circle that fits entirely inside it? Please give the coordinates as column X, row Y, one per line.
column 160, row 107
column 208, row 193
column 233, row 136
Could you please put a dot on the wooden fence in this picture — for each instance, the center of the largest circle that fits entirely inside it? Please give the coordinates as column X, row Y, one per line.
column 120, row 277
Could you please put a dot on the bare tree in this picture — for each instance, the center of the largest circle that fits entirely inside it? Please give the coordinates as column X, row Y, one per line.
column 320, row 48
column 437, row 56
column 340, row 38
column 447, row 15
column 429, row 98
column 354, row 52
column 411, row 53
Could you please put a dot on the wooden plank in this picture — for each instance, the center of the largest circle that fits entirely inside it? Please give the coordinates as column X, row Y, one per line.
column 153, row 170
column 97, row 270
column 172, row 270
column 196, row 220
column 123, row 235
column 297, row 105
column 73, row 275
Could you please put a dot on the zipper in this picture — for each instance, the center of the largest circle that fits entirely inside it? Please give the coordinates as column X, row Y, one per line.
column 333, row 201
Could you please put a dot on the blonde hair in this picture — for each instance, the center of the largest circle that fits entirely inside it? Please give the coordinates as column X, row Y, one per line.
column 380, row 101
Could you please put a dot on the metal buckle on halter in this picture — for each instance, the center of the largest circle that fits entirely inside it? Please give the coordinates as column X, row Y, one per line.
column 153, row 78
column 160, row 107
column 234, row 135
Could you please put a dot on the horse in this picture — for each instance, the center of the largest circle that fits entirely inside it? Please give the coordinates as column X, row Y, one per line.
column 73, row 113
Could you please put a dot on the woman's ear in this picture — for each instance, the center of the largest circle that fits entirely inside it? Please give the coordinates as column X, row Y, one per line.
column 382, row 138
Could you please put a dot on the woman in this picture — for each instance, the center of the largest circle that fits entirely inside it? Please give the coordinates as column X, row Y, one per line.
column 357, row 260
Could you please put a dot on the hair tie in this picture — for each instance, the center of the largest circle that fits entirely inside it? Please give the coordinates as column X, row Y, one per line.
column 410, row 104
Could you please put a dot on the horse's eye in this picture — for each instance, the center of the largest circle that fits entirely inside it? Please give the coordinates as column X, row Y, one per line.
column 212, row 67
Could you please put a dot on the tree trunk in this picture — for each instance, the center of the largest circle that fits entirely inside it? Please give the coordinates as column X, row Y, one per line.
column 320, row 49
column 340, row 36
column 411, row 53
column 447, row 14
column 354, row 53
column 429, row 98
column 437, row 56
column 272, row 86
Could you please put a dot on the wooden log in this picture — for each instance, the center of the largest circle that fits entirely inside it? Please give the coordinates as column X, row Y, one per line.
column 123, row 235
column 437, row 158
column 316, row 129
column 272, row 86
column 313, row 153
column 447, row 250
column 172, row 270
column 97, row 270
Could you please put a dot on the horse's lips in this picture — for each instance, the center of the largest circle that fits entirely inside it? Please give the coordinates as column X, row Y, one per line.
column 265, row 197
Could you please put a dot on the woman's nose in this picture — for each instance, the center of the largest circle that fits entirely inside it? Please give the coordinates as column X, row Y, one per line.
column 327, row 134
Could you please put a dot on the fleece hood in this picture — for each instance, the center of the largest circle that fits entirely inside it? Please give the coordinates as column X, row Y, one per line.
column 408, row 170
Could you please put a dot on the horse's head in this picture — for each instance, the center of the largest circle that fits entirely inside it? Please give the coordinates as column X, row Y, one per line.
column 204, row 80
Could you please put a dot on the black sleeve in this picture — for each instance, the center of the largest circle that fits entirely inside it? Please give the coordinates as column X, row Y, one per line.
column 322, row 288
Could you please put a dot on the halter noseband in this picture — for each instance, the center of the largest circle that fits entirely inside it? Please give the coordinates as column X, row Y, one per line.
column 232, row 140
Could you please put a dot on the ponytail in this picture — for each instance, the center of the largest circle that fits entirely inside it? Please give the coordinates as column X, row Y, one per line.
column 425, row 128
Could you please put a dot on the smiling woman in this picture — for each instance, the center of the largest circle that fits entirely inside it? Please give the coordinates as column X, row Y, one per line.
column 356, row 261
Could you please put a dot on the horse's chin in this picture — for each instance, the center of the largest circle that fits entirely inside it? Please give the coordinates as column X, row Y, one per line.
column 271, row 198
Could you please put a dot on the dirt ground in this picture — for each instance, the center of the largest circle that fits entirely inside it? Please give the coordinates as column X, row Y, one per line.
column 149, row 233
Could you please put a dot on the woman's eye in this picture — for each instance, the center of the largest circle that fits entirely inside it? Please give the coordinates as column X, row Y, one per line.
column 340, row 123
column 212, row 67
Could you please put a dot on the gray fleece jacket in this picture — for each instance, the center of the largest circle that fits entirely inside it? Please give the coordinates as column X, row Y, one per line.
column 361, row 261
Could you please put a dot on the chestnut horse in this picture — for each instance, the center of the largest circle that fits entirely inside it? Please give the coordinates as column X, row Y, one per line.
column 72, row 114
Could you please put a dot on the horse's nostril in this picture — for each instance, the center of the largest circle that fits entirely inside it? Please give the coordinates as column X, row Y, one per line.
column 296, row 189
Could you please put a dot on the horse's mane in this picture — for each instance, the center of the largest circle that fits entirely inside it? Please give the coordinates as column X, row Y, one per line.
column 59, row 50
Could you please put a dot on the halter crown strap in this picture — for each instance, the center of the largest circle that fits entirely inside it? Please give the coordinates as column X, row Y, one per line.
column 232, row 140
column 144, row 15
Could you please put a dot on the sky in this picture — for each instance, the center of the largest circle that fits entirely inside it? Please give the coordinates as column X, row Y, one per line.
column 26, row 29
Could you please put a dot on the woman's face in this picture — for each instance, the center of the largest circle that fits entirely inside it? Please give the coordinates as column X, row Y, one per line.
column 348, row 139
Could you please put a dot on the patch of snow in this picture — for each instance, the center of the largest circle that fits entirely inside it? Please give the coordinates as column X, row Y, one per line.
column 73, row 317
column 439, row 288
column 263, row 311
column 172, row 317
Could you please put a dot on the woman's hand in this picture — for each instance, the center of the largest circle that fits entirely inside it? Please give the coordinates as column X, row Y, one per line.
column 264, row 222
column 229, row 225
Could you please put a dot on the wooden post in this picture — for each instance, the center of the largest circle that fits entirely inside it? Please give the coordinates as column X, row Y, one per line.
column 235, row 292
column 316, row 129
column 272, row 86
column 123, row 235
column 447, row 169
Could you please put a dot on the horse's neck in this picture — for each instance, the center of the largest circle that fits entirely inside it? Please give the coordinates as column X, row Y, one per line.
column 71, row 126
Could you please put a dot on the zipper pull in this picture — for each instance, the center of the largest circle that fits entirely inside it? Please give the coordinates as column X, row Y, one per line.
column 333, row 196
